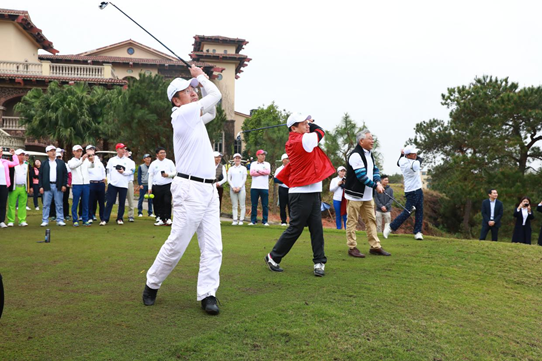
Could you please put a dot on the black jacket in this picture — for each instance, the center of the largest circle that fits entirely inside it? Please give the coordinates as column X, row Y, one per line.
column 61, row 175
column 522, row 233
column 486, row 212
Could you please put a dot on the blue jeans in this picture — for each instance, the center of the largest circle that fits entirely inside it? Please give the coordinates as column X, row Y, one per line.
column 254, row 195
column 414, row 198
column 80, row 191
column 337, row 207
column 142, row 193
column 48, row 196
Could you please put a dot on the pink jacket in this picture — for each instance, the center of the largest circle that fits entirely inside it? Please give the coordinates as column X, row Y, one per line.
column 7, row 164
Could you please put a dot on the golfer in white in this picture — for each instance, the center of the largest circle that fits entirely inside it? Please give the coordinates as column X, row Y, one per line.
column 195, row 197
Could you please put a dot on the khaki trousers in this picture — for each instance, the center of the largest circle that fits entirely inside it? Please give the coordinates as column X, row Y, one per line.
column 365, row 209
column 379, row 216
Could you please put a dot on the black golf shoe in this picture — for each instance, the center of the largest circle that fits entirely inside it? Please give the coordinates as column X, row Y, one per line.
column 210, row 306
column 272, row 265
column 149, row 296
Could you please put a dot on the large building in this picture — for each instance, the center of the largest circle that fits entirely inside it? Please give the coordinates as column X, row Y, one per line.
column 22, row 68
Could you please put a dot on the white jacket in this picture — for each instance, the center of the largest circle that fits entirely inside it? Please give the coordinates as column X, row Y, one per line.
column 79, row 171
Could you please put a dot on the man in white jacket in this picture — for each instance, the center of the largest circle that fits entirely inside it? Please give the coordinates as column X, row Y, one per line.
column 79, row 166
column 161, row 174
column 195, row 197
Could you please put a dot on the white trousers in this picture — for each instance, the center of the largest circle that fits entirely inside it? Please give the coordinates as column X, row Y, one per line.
column 236, row 199
column 195, row 210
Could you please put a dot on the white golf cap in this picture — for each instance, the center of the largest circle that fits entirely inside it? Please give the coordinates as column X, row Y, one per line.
column 296, row 118
column 90, row 146
column 76, row 147
column 59, row 151
column 50, row 147
column 179, row 84
column 340, row 168
column 284, row 156
column 19, row 151
column 237, row 155
column 217, row 154
column 410, row 149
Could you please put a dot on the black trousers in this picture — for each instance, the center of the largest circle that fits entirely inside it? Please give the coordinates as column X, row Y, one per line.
column 283, row 203
column 162, row 201
column 111, row 194
column 494, row 232
column 3, row 202
column 97, row 197
column 305, row 211
column 36, row 194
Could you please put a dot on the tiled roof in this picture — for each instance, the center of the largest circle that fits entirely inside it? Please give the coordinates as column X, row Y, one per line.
column 118, row 59
column 240, row 58
column 200, row 39
column 22, row 18
column 125, row 42
column 64, row 79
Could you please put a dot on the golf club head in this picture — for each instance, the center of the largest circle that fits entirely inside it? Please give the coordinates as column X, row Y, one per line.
column 238, row 137
column 412, row 209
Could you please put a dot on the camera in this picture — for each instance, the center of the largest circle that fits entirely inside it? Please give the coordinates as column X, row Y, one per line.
column 119, row 167
column 162, row 172
column 5, row 149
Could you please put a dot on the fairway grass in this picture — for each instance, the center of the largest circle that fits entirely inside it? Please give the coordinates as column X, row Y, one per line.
column 79, row 298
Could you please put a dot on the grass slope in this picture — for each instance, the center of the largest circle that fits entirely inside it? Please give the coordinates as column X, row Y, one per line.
column 79, row 298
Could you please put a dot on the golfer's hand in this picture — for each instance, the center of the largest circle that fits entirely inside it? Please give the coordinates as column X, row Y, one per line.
column 165, row 175
column 85, row 156
column 63, row 188
column 195, row 71
column 120, row 171
column 383, row 209
column 379, row 188
column 41, row 190
column 491, row 223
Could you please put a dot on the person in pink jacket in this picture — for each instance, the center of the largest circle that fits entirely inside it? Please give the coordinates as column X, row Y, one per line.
column 259, row 171
column 5, row 182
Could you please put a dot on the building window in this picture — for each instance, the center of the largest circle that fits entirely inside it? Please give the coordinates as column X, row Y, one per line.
column 225, row 52
column 130, row 51
column 219, row 77
column 218, row 146
column 238, row 146
column 129, row 71
column 214, row 51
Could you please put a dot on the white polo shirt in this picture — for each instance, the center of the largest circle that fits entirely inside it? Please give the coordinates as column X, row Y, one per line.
column 411, row 174
column 114, row 177
column 155, row 172
column 237, row 176
column 261, row 181
column 97, row 173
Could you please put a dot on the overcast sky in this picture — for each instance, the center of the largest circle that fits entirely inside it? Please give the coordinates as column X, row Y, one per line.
column 383, row 62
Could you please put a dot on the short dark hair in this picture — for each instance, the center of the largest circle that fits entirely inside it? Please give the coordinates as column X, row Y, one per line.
column 159, row 149
column 491, row 191
column 384, row 176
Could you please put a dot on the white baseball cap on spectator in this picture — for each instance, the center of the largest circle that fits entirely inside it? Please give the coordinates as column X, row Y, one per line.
column 217, row 154
column 410, row 149
column 340, row 168
column 284, row 156
column 19, row 151
column 76, row 147
column 237, row 155
column 179, row 84
column 90, row 146
column 296, row 118
column 49, row 148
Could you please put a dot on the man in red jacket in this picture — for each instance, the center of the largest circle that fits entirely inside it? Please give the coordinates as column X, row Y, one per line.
column 308, row 167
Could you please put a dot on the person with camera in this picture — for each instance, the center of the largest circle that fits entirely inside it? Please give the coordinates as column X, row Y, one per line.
column 5, row 182
column 523, row 215
column 221, row 177
column 283, row 191
column 143, row 181
column 383, row 204
column 161, row 174
column 336, row 186
column 79, row 165
column 237, row 177
column 492, row 212
column 53, row 184
column 97, row 185
column 120, row 170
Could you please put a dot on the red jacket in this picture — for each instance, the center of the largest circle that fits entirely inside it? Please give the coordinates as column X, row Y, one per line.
column 304, row 168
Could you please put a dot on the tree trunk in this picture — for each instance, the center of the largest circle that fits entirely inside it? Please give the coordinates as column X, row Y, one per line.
column 466, row 218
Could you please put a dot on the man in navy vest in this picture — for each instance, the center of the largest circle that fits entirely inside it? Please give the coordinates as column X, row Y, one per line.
column 492, row 211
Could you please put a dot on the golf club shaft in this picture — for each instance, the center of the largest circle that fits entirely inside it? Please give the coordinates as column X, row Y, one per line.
column 262, row 128
column 396, row 201
column 135, row 22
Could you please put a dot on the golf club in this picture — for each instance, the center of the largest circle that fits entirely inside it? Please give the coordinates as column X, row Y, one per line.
column 395, row 200
column 105, row 3
column 238, row 137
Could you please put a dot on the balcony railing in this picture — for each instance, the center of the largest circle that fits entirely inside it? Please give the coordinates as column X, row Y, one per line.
column 12, row 67
column 78, row 71
column 11, row 123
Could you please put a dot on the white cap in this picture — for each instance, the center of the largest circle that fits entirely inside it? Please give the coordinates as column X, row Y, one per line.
column 410, row 149
column 284, row 156
column 217, row 154
column 77, row 147
column 59, row 151
column 19, row 151
column 50, row 147
column 340, row 168
column 237, row 155
column 296, row 118
column 90, row 146
column 179, row 84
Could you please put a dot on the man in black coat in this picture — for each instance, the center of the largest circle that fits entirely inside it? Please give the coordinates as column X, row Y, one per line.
column 492, row 211
column 52, row 184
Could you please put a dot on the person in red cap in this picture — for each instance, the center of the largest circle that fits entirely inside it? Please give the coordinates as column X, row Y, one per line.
column 120, row 170
column 259, row 170
column 304, row 174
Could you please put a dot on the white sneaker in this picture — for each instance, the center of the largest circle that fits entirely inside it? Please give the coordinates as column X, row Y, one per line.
column 102, row 223
column 387, row 231
column 37, row 208
column 23, row 224
column 159, row 222
column 418, row 236
column 27, row 208
column 152, row 215
column 10, row 224
column 169, row 222
column 140, row 215
column 234, row 223
column 266, row 224
column 60, row 223
column 44, row 224
column 3, row 225
column 120, row 222
column 240, row 223
column 251, row 224
column 284, row 224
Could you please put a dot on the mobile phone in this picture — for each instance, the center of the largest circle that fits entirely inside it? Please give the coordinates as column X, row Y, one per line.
column 162, row 172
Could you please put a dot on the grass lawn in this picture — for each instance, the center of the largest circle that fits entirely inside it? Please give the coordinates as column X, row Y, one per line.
column 79, row 297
